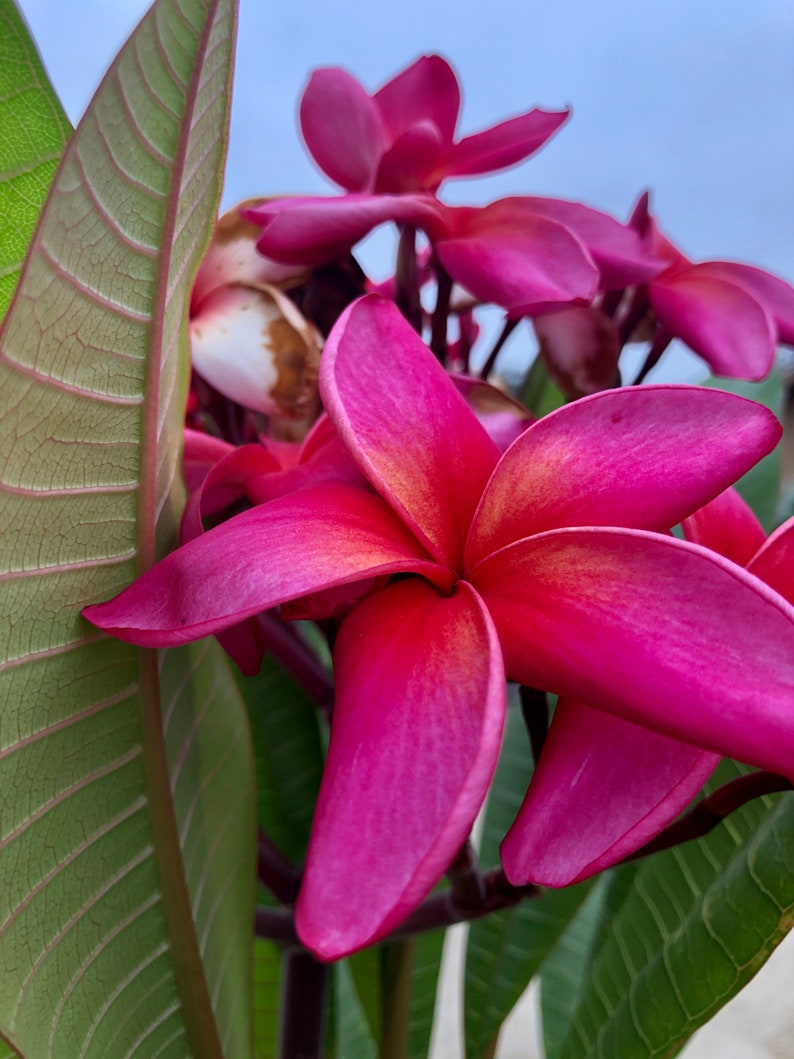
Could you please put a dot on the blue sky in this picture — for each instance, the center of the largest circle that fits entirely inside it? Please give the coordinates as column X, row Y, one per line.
column 691, row 98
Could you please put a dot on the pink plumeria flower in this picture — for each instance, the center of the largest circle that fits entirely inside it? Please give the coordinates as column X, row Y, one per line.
column 402, row 137
column 604, row 786
column 731, row 314
column 540, row 565
column 527, row 254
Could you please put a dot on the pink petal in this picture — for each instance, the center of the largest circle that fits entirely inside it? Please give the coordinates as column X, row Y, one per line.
column 415, row 736
column 223, row 485
column 717, row 319
column 315, row 539
column 426, row 91
column 524, row 262
column 202, row 451
column 412, row 156
column 313, row 230
column 621, row 255
column 232, row 258
column 342, row 128
column 644, row 457
column 502, row 145
column 503, row 417
column 580, row 348
column 413, row 435
column 603, row 788
column 655, row 630
column 728, row 526
column 774, row 562
column 773, row 293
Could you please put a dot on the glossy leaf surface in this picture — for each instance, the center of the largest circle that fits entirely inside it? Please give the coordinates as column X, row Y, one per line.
column 35, row 132
column 693, row 927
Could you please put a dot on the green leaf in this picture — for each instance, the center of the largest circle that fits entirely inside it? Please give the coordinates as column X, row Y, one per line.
column 507, row 948
column 565, row 969
column 289, row 755
column 540, row 393
column 693, row 927
column 425, row 969
column 127, row 830
column 267, row 978
column 33, row 134
column 366, row 969
column 353, row 1035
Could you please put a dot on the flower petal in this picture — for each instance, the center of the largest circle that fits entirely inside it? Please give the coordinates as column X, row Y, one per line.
column 524, row 262
column 622, row 257
column 224, row 484
column 603, row 788
column 412, row 156
column 342, row 128
column 313, row 230
column 502, row 145
column 415, row 737
column 315, row 539
column 426, row 91
column 254, row 346
column 232, row 258
column 774, row 561
column 773, row 293
column 653, row 629
column 718, row 319
column 412, row 433
column 643, row 457
column 580, row 348
column 728, row 526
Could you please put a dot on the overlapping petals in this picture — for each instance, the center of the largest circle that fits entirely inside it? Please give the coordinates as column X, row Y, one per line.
column 604, row 786
column 528, row 255
column 564, row 584
column 402, row 137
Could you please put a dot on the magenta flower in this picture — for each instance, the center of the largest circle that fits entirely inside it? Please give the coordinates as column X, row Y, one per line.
column 527, row 254
column 540, row 565
column 730, row 314
column 402, row 137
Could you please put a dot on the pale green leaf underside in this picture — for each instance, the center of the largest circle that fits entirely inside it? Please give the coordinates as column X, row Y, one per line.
column 33, row 134
column 101, row 871
column 697, row 923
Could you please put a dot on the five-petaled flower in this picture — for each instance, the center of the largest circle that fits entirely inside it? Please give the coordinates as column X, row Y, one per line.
column 549, row 564
column 402, row 137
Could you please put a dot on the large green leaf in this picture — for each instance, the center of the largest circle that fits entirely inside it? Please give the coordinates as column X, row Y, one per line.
column 692, row 928
column 127, row 815
column 33, row 134
column 289, row 755
column 506, row 949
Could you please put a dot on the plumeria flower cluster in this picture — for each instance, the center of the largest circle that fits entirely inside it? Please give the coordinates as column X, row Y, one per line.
column 444, row 539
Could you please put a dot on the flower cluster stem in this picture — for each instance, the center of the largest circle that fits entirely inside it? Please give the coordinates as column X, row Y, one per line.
column 507, row 330
column 304, row 994
column 275, row 871
column 713, row 809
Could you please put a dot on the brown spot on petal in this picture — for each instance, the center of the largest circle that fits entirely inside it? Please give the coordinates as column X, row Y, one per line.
column 296, row 358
